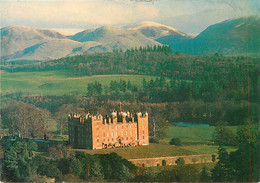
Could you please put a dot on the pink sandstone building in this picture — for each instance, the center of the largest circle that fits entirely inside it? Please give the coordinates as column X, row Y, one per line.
column 117, row 130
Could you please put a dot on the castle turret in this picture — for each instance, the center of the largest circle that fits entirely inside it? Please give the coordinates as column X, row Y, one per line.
column 123, row 114
column 114, row 117
column 142, row 128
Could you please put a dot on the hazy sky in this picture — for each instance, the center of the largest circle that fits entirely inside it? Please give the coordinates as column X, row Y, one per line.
column 70, row 16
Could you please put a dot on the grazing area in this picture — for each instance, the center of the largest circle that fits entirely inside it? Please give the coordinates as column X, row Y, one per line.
column 193, row 135
column 58, row 82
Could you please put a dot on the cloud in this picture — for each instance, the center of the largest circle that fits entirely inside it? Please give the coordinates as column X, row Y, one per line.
column 75, row 14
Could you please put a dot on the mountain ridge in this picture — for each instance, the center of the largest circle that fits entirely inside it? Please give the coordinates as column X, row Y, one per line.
column 229, row 37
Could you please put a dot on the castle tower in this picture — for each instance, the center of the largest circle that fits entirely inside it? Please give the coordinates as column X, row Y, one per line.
column 142, row 128
column 97, row 124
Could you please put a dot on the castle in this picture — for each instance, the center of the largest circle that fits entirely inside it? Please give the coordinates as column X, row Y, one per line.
column 117, row 130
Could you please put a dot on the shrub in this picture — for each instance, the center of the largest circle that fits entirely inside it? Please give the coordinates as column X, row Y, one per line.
column 180, row 161
column 175, row 141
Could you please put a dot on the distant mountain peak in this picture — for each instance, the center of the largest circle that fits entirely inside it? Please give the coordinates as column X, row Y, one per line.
column 143, row 24
column 154, row 30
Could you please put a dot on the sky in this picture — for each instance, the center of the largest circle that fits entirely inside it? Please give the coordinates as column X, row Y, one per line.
column 71, row 16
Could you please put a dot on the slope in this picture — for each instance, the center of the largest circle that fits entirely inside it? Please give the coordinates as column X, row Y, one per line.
column 154, row 30
column 230, row 37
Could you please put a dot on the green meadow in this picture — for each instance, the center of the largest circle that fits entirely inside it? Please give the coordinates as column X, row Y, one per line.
column 193, row 135
column 58, row 82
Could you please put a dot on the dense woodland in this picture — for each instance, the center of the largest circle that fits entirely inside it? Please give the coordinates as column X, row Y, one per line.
column 216, row 89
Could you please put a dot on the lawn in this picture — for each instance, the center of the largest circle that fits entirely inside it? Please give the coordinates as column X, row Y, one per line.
column 197, row 139
column 153, row 150
column 58, row 82
column 193, row 135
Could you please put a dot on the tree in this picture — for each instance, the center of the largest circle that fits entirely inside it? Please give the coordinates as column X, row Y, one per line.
column 51, row 170
column 94, row 89
column 204, row 175
column 18, row 164
column 223, row 172
column 96, row 172
column 223, row 136
column 245, row 159
column 25, row 120
column 75, row 167
column 125, row 174
column 61, row 116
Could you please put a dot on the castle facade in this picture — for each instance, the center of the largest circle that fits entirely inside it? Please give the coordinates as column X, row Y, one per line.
column 117, row 130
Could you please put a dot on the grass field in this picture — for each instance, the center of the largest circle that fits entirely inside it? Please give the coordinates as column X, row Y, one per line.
column 193, row 135
column 153, row 150
column 158, row 150
column 57, row 82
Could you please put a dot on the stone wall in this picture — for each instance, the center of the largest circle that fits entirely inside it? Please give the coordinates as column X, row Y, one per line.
column 171, row 160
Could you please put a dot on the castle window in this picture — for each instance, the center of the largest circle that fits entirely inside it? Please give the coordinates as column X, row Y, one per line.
column 108, row 139
column 143, row 132
column 107, row 134
column 116, row 127
column 97, row 123
column 122, row 127
column 122, row 138
column 112, row 139
column 143, row 137
column 131, row 133
column 97, row 140
column 126, row 132
column 97, row 134
column 97, row 129
column 122, row 133
column 104, row 134
column 126, row 138
column 103, row 140
column 143, row 126
column 116, row 133
column 142, row 120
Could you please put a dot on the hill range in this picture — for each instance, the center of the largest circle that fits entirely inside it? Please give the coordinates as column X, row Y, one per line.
column 230, row 37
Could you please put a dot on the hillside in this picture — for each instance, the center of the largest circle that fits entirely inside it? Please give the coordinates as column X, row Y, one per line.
column 230, row 37
column 114, row 38
column 25, row 43
column 154, row 30
column 17, row 38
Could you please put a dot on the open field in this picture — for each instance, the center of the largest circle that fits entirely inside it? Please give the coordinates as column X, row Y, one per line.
column 158, row 150
column 58, row 82
column 193, row 135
